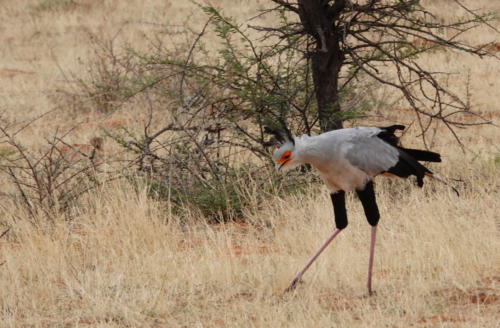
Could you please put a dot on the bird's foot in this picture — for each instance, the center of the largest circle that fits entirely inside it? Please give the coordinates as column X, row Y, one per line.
column 369, row 293
column 294, row 284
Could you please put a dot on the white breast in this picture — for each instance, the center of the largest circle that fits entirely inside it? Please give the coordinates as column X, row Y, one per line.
column 341, row 175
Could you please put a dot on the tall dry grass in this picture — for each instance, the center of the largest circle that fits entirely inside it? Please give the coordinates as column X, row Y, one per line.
column 125, row 260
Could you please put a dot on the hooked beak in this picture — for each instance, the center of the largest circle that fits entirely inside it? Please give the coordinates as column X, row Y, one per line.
column 279, row 165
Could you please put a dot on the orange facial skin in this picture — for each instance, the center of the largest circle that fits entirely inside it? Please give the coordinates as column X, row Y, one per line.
column 287, row 156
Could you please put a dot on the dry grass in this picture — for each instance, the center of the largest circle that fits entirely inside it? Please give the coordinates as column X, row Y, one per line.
column 125, row 261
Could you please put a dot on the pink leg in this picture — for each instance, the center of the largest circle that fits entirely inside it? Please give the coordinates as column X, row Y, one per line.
column 370, row 262
column 295, row 280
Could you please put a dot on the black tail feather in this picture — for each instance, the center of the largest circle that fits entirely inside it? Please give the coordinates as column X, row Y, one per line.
column 408, row 158
column 422, row 155
column 407, row 165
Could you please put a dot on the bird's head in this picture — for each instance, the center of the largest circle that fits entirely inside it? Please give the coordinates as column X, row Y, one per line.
column 284, row 157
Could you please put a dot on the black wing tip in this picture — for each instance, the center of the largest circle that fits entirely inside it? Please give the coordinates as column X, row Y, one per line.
column 387, row 134
column 393, row 128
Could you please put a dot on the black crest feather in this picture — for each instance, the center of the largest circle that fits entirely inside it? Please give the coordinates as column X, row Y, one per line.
column 281, row 135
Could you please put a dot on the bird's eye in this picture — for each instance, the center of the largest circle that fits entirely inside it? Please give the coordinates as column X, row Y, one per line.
column 287, row 155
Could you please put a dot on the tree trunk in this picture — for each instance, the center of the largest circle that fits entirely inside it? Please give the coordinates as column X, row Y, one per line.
column 318, row 18
column 325, row 75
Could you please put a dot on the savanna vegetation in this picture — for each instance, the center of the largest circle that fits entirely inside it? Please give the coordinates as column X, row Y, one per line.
column 138, row 190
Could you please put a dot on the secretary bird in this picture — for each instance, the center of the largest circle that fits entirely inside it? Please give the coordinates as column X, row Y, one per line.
column 348, row 159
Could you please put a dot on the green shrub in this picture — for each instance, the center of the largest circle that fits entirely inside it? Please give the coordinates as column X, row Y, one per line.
column 206, row 110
